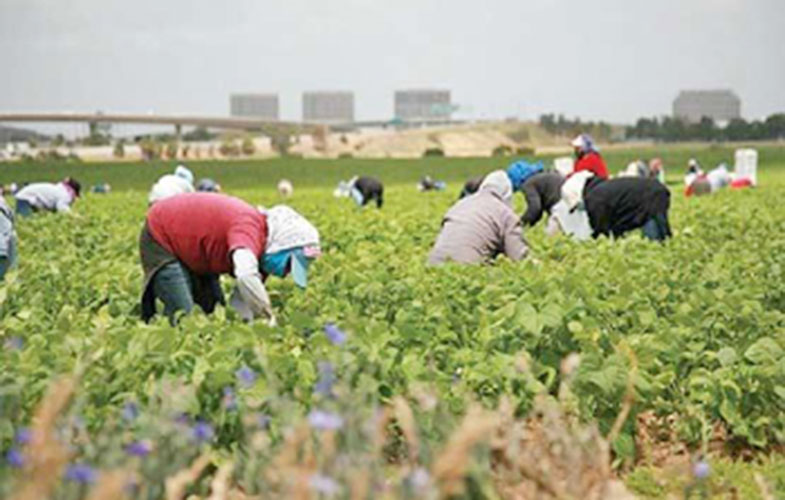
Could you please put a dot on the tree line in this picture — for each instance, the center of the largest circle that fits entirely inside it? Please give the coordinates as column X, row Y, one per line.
column 669, row 129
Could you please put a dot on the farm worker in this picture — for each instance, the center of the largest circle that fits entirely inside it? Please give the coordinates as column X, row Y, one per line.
column 181, row 181
column 7, row 238
column 617, row 206
column 480, row 227
column 47, row 196
column 471, row 186
column 657, row 169
column 637, row 168
column 542, row 191
column 365, row 189
column 693, row 167
column 518, row 172
column 702, row 184
column 183, row 259
column 208, row 185
column 587, row 157
column 101, row 188
column 427, row 183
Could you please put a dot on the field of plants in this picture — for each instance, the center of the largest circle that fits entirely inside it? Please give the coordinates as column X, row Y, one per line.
column 661, row 365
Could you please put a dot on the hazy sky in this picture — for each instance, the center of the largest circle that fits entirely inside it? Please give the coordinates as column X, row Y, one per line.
column 601, row 59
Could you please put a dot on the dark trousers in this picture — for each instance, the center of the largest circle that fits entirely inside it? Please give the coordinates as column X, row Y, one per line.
column 179, row 290
column 657, row 228
column 24, row 208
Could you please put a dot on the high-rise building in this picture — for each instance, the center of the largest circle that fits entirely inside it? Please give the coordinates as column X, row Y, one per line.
column 423, row 105
column 264, row 106
column 719, row 105
column 328, row 107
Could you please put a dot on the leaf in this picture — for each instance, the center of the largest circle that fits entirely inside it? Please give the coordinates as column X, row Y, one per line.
column 764, row 351
column 727, row 356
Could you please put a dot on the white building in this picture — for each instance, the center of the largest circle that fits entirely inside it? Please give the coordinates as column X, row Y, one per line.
column 719, row 105
column 423, row 105
column 328, row 107
column 264, row 106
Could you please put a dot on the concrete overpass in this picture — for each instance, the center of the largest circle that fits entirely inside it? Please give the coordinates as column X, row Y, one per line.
column 266, row 127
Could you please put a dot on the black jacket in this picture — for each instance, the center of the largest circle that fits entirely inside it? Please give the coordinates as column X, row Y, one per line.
column 371, row 189
column 542, row 191
column 620, row 205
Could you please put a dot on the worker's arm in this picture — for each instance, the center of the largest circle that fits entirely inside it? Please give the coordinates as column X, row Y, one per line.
column 515, row 247
column 63, row 205
column 533, row 205
column 250, row 286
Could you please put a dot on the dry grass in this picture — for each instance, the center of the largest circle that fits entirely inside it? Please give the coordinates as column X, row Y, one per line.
column 47, row 456
column 547, row 455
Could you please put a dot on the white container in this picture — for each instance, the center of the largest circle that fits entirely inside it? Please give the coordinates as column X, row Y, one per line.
column 747, row 165
column 564, row 165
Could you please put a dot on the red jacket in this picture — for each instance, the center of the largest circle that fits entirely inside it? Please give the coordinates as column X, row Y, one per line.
column 592, row 162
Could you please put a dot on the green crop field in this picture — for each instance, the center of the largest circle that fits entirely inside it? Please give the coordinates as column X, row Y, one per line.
column 689, row 337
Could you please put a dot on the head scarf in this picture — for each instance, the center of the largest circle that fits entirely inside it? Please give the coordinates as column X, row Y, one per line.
column 182, row 171
column 291, row 238
column 499, row 183
column 585, row 144
column 520, row 171
column 572, row 189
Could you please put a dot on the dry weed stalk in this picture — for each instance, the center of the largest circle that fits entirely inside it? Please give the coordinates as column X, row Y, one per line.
column 405, row 418
column 111, row 485
column 449, row 468
column 219, row 487
column 289, row 473
column 360, row 484
column 552, row 456
column 764, row 487
column 176, row 485
column 46, row 454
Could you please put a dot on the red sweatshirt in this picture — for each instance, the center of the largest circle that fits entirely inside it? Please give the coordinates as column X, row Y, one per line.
column 594, row 163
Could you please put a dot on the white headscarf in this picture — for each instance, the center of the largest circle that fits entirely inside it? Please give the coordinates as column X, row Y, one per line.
column 288, row 229
column 572, row 189
column 499, row 182
column 183, row 172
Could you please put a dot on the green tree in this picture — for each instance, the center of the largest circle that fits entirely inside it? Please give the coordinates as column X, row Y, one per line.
column 248, row 147
column 119, row 149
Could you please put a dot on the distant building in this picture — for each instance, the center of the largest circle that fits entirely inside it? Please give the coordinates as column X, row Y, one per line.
column 263, row 106
column 719, row 105
column 423, row 105
column 328, row 107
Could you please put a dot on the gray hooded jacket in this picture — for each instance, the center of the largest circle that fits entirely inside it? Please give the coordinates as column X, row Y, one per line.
column 481, row 226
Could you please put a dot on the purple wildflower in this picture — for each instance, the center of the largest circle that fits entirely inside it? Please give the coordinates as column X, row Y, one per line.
column 202, row 431
column 325, row 421
column 130, row 411
column 334, row 334
column 229, row 399
column 139, row 448
column 324, row 385
column 701, row 469
column 324, row 485
column 80, row 473
column 14, row 343
column 246, row 376
column 15, row 458
column 23, row 435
